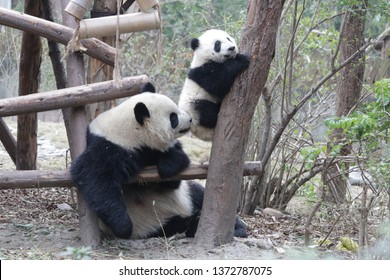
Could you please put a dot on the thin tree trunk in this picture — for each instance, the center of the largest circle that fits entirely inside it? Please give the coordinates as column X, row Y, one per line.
column 231, row 134
column 347, row 95
column 30, row 62
column 76, row 128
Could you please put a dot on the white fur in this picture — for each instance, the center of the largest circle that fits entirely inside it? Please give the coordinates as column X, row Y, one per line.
column 156, row 132
column 205, row 51
column 192, row 91
column 142, row 208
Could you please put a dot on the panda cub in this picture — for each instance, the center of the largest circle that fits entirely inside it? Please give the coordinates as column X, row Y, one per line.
column 121, row 142
column 216, row 64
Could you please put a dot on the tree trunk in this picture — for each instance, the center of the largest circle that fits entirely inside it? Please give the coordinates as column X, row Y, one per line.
column 347, row 96
column 231, row 134
column 76, row 128
column 30, row 62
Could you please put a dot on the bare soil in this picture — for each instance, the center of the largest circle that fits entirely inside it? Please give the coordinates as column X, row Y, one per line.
column 43, row 223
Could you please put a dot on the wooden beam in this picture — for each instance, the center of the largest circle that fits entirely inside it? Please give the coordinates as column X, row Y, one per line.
column 76, row 125
column 71, row 97
column 8, row 140
column 56, row 32
column 49, row 179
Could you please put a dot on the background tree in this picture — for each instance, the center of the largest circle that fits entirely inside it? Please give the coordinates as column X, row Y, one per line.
column 347, row 95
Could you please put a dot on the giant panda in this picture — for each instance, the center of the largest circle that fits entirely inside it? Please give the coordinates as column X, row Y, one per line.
column 140, row 132
column 216, row 64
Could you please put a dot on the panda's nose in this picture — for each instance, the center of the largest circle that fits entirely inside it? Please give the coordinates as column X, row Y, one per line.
column 232, row 48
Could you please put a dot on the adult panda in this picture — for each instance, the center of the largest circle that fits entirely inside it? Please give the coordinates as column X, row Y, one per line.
column 121, row 142
column 216, row 64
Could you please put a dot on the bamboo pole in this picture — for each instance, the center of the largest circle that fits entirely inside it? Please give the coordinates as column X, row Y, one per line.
column 51, row 179
column 71, row 97
column 98, row 27
column 56, row 32
column 78, row 8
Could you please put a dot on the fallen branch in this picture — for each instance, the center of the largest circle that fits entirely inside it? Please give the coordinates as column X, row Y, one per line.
column 49, row 179
column 71, row 97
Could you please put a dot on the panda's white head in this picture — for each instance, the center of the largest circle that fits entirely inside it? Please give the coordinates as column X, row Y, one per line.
column 215, row 45
column 147, row 119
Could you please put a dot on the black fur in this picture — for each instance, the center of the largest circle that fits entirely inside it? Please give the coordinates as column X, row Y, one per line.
column 217, row 78
column 194, row 43
column 148, row 87
column 189, row 225
column 141, row 112
column 101, row 170
column 207, row 112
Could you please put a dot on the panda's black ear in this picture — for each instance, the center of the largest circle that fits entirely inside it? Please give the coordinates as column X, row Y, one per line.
column 194, row 43
column 148, row 87
column 141, row 112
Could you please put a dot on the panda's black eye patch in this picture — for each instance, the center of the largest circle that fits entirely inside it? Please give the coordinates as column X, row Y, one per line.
column 217, row 46
column 174, row 120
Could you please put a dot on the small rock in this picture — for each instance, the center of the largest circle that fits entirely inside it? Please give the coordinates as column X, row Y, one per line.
column 64, row 207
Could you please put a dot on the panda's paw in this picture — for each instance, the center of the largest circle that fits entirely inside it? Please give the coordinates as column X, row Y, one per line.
column 243, row 60
column 172, row 162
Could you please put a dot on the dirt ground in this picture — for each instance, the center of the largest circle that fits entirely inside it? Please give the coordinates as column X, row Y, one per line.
column 43, row 223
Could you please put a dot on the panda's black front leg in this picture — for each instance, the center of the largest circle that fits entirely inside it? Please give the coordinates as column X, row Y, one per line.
column 217, row 78
column 207, row 112
column 173, row 161
column 232, row 68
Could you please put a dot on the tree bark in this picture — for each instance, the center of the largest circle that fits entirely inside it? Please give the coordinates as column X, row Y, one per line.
column 347, row 95
column 30, row 62
column 231, row 134
column 76, row 128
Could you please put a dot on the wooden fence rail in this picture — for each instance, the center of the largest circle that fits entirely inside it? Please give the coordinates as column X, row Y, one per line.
column 56, row 32
column 71, row 97
column 47, row 179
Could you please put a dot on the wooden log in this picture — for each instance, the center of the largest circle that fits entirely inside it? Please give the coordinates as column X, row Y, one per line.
column 76, row 128
column 8, row 140
column 54, row 179
column 56, row 32
column 71, row 97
